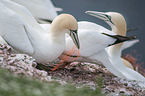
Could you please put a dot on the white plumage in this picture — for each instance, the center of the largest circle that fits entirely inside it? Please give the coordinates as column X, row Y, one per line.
column 21, row 31
column 41, row 9
column 92, row 45
column 118, row 26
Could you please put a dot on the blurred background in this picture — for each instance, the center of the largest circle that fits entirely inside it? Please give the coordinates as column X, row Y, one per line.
column 132, row 10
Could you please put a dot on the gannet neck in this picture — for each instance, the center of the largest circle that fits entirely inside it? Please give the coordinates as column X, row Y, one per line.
column 120, row 30
column 61, row 25
column 118, row 27
column 115, row 50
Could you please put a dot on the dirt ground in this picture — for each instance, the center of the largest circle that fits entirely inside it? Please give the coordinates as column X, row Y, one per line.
column 76, row 73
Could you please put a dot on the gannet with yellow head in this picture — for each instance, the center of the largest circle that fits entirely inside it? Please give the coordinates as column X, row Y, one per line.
column 118, row 26
column 93, row 41
column 29, row 37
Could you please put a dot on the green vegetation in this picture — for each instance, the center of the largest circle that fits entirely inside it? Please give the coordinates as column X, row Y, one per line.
column 12, row 85
column 99, row 81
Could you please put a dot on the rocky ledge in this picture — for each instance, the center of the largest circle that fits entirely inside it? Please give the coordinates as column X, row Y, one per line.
column 75, row 73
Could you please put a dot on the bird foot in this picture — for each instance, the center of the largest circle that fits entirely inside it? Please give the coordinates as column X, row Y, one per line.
column 67, row 59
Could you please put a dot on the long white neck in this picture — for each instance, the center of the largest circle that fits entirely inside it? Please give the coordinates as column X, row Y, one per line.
column 57, row 32
column 119, row 29
column 115, row 53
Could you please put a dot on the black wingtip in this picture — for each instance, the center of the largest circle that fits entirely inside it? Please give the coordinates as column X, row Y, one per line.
column 119, row 38
column 47, row 20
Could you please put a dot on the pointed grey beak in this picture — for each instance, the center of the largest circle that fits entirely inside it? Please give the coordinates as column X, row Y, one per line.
column 73, row 34
column 100, row 15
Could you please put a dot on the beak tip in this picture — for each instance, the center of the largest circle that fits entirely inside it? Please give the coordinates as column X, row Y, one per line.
column 78, row 47
column 86, row 11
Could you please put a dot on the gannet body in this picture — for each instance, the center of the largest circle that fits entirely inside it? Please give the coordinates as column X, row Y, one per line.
column 118, row 26
column 93, row 43
column 28, row 37
column 125, row 45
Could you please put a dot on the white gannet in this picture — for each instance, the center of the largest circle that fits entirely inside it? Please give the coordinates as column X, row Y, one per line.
column 118, row 26
column 41, row 9
column 28, row 36
column 125, row 45
column 92, row 45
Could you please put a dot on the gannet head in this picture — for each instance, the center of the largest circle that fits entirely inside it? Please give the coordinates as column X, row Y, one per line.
column 67, row 22
column 127, row 63
column 114, row 19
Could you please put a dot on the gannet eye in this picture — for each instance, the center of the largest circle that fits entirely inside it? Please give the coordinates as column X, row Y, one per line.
column 109, row 19
column 75, row 31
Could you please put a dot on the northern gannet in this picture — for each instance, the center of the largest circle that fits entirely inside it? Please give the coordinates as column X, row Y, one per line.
column 125, row 45
column 118, row 26
column 28, row 37
column 93, row 43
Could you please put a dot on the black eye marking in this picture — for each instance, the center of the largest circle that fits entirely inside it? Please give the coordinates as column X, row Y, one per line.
column 109, row 18
column 75, row 31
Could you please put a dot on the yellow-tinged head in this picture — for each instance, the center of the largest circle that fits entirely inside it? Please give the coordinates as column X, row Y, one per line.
column 66, row 23
column 114, row 19
column 119, row 26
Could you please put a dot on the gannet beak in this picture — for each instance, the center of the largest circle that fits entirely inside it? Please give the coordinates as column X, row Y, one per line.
column 100, row 15
column 73, row 34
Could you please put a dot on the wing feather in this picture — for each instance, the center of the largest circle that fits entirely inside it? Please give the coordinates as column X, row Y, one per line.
column 13, row 32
